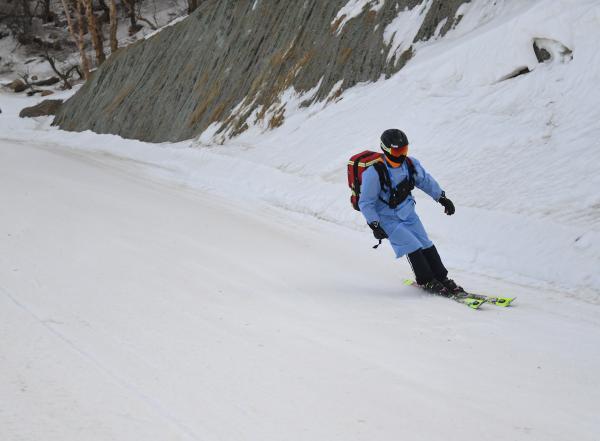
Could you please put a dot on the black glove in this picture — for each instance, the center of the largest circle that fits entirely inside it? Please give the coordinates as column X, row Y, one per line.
column 447, row 203
column 378, row 232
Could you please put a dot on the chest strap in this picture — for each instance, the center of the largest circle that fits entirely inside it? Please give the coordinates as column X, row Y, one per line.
column 400, row 192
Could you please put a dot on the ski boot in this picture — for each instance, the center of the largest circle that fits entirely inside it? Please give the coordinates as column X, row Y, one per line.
column 452, row 287
column 434, row 286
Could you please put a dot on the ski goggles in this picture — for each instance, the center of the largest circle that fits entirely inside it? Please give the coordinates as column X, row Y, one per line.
column 394, row 150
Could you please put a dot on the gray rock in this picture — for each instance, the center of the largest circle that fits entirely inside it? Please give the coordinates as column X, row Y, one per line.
column 46, row 107
column 17, row 86
column 228, row 64
column 541, row 53
column 47, row 82
column 440, row 11
column 549, row 50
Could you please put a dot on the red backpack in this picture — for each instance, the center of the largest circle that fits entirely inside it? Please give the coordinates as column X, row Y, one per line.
column 357, row 164
column 356, row 167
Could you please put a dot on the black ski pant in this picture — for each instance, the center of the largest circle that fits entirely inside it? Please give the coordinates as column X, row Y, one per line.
column 427, row 265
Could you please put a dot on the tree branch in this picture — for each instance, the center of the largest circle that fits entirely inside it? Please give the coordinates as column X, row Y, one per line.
column 153, row 26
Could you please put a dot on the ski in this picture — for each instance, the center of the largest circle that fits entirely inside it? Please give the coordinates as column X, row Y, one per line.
column 494, row 300
column 470, row 299
column 465, row 298
column 471, row 302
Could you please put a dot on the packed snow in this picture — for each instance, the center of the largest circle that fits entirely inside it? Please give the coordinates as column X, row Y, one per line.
column 225, row 289
column 131, row 308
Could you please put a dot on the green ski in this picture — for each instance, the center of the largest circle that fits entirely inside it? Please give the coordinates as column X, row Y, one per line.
column 468, row 298
column 494, row 300
column 472, row 301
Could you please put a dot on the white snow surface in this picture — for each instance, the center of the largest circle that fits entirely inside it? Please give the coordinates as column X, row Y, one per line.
column 353, row 9
column 131, row 308
column 401, row 32
column 199, row 291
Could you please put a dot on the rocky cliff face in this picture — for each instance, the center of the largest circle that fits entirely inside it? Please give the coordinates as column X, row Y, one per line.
column 230, row 61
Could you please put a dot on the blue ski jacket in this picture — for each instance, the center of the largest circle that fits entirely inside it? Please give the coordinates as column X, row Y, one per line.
column 402, row 225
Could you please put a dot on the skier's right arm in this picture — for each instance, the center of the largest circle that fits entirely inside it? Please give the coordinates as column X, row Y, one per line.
column 369, row 194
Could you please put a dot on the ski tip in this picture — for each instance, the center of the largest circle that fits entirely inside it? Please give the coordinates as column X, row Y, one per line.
column 504, row 301
column 408, row 282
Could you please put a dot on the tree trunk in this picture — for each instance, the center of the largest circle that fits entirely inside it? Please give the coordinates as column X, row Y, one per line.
column 105, row 17
column 134, row 27
column 132, row 13
column 85, row 63
column 48, row 15
column 95, row 32
column 27, row 10
column 192, row 5
column 114, row 44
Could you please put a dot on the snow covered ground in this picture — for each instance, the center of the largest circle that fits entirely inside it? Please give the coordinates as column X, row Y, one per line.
column 135, row 309
column 206, row 291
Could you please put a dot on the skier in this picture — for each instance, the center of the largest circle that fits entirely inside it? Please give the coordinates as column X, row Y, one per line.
column 389, row 208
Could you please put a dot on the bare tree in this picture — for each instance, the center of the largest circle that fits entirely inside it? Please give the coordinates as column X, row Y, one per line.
column 105, row 17
column 114, row 44
column 95, row 32
column 134, row 26
column 17, row 16
column 27, row 9
column 64, row 76
column 192, row 6
column 48, row 15
column 85, row 62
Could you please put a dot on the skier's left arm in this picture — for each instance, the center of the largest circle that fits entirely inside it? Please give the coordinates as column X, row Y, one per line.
column 424, row 181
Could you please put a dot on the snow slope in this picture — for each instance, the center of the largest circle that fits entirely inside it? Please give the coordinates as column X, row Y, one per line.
column 194, row 291
column 135, row 309
column 518, row 157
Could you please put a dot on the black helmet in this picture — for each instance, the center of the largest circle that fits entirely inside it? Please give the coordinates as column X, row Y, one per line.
column 393, row 139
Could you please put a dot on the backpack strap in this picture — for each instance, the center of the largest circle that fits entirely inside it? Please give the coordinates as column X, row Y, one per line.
column 411, row 171
column 399, row 193
column 384, row 179
column 384, row 175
